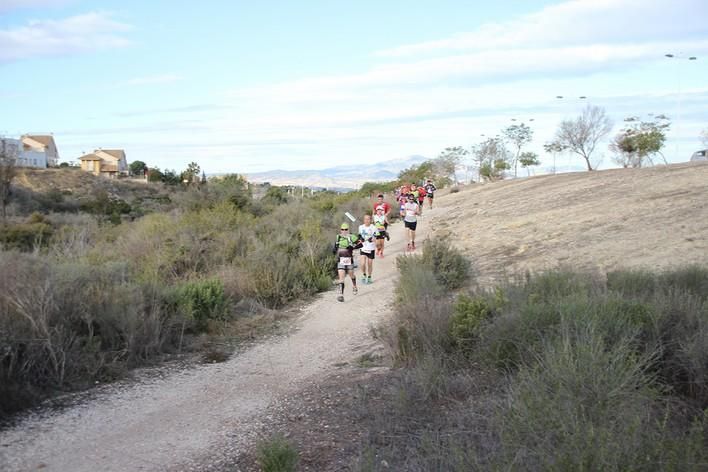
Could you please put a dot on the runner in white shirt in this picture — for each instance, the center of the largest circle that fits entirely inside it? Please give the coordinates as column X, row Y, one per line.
column 410, row 213
column 381, row 222
column 367, row 233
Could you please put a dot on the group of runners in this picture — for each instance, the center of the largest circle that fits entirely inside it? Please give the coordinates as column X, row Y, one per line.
column 370, row 237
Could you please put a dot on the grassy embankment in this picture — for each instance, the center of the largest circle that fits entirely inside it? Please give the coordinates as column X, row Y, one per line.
column 555, row 371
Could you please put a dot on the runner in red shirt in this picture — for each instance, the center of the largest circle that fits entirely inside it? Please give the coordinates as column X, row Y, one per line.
column 421, row 198
column 381, row 203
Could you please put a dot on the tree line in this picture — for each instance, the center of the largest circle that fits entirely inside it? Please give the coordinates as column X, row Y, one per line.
column 638, row 143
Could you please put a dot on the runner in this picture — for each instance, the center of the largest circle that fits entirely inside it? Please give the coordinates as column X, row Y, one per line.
column 367, row 232
column 381, row 203
column 421, row 198
column 430, row 190
column 344, row 247
column 410, row 213
column 402, row 197
column 381, row 223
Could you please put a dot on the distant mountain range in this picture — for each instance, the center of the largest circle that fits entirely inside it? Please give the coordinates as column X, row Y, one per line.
column 338, row 178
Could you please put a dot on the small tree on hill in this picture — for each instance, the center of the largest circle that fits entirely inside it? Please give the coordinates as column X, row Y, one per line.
column 8, row 171
column 137, row 168
column 170, row 177
column 581, row 135
column 154, row 174
column 528, row 159
column 553, row 149
column 491, row 157
column 704, row 137
column 191, row 174
column 639, row 141
column 518, row 136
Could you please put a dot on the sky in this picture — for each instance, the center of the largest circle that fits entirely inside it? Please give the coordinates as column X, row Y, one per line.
column 243, row 86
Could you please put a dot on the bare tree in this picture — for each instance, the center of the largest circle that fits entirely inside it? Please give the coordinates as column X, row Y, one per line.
column 448, row 160
column 582, row 134
column 8, row 157
column 704, row 137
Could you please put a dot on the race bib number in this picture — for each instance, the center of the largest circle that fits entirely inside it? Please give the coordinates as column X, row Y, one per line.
column 345, row 260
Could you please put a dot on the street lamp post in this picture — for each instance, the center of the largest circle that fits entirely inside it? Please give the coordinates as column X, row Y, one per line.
column 680, row 94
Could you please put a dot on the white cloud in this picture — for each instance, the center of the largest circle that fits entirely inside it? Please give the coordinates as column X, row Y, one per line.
column 154, row 79
column 577, row 22
column 76, row 34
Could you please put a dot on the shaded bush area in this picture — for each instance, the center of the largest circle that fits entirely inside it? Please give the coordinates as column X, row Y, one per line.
column 559, row 371
column 67, row 324
column 87, row 300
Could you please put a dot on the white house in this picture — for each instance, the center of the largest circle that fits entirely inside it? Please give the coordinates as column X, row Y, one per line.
column 35, row 144
column 16, row 150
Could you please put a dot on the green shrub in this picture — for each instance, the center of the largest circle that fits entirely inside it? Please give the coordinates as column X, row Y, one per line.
column 277, row 454
column 581, row 404
column 451, row 268
column 203, row 301
column 25, row 236
column 468, row 314
column 632, row 283
column 692, row 279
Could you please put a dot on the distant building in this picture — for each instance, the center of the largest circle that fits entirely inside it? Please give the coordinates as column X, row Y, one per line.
column 10, row 148
column 106, row 162
column 38, row 150
column 700, row 155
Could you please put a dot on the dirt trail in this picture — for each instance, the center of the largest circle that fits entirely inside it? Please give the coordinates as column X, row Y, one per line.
column 184, row 419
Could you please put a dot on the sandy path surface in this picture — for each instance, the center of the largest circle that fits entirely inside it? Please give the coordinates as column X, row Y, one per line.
column 194, row 417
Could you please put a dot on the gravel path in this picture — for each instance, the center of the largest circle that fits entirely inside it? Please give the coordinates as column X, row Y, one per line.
column 196, row 417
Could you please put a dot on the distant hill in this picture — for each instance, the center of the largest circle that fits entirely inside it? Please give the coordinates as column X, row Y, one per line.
column 340, row 177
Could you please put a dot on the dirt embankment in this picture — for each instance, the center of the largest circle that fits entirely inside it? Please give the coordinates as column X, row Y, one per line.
column 654, row 218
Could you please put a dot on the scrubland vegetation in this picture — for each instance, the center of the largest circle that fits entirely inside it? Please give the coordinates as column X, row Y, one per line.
column 86, row 294
column 555, row 371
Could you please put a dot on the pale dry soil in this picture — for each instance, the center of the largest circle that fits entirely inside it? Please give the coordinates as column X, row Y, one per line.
column 202, row 417
column 654, row 218
column 315, row 384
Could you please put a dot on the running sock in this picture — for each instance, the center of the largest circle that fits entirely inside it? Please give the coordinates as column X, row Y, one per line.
column 341, row 288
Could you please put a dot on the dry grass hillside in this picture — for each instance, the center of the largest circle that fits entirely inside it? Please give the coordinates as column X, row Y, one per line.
column 73, row 190
column 653, row 218
column 80, row 183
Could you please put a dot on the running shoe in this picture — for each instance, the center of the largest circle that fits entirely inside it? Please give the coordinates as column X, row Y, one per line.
column 409, row 247
column 369, row 281
column 340, row 298
column 413, row 246
column 355, row 290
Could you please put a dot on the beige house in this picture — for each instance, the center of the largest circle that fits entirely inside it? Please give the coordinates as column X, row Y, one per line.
column 106, row 162
column 36, row 145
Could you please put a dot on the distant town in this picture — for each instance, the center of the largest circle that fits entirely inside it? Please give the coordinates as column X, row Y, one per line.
column 40, row 151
